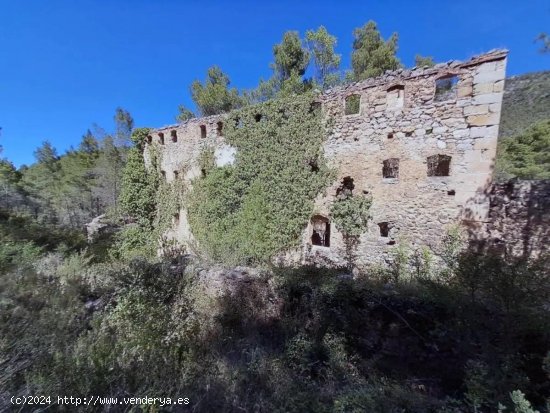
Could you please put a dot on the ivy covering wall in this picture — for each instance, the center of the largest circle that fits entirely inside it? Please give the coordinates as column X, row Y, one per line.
column 249, row 211
column 148, row 201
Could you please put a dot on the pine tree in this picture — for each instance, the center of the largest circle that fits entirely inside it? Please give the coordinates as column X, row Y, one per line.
column 321, row 44
column 214, row 96
column 372, row 55
column 184, row 114
column 291, row 58
column 139, row 185
column 423, row 61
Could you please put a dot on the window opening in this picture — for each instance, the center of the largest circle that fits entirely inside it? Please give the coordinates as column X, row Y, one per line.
column 345, row 190
column 321, row 231
column 445, row 88
column 390, row 168
column 439, row 165
column 352, row 104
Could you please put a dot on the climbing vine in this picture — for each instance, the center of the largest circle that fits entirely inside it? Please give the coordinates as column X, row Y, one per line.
column 206, row 160
column 149, row 202
column 247, row 212
column 351, row 216
column 169, row 199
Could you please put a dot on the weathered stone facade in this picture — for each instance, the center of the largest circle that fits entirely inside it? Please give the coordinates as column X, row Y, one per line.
column 420, row 142
column 519, row 219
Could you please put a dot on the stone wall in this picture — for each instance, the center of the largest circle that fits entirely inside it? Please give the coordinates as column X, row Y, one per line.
column 414, row 118
column 519, row 219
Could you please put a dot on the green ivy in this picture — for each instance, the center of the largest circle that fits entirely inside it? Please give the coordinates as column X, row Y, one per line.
column 207, row 160
column 351, row 215
column 247, row 212
column 149, row 201
column 169, row 199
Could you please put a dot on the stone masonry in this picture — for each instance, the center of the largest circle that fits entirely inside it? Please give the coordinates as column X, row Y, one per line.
column 421, row 142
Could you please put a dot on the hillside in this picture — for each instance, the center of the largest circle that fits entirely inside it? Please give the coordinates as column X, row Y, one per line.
column 526, row 102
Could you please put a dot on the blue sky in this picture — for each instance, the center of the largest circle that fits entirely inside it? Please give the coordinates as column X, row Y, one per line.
column 66, row 65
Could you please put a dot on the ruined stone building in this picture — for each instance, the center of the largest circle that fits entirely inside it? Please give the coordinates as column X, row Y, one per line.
column 421, row 142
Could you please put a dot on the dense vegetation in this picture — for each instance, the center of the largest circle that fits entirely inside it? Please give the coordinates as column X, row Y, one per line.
column 524, row 130
column 527, row 155
column 526, row 102
column 247, row 212
column 458, row 340
column 110, row 318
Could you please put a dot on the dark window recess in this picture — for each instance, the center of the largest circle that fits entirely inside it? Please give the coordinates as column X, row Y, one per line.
column 396, row 96
column 203, row 172
column 176, row 174
column 384, row 229
column 445, row 88
column 161, row 138
column 163, row 173
column 258, row 117
column 219, row 128
column 345, row 190
column 315, row 107
column 203, row 131
column 321, row 231
column 149, row 139
column 313, row 165
column 390, row 135
column 439, row 165
column 174, row 136
column 390, row 168
column 176, row 219
column 451, row 192
column 408, row 134
column 353, row 104
column 429, row 131
column 398, row 89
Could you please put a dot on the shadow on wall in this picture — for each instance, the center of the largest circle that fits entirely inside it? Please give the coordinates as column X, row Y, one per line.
column 517, row 221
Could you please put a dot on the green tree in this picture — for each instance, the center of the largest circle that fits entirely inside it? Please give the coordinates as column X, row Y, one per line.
column 290, row 56
column 184, row 114
column 214, row 96
column 75, row 202
column 41, row 182
column 424, row 61
column 89, row 143
column 138, row 200
column 266, row 90
column 108, row 171
column 124, row 123
column 139, row 186
column 46, row 154
column 327, row 63
column 526, row 156
column 10, row 192
column 372, row 55
column 291, row 59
